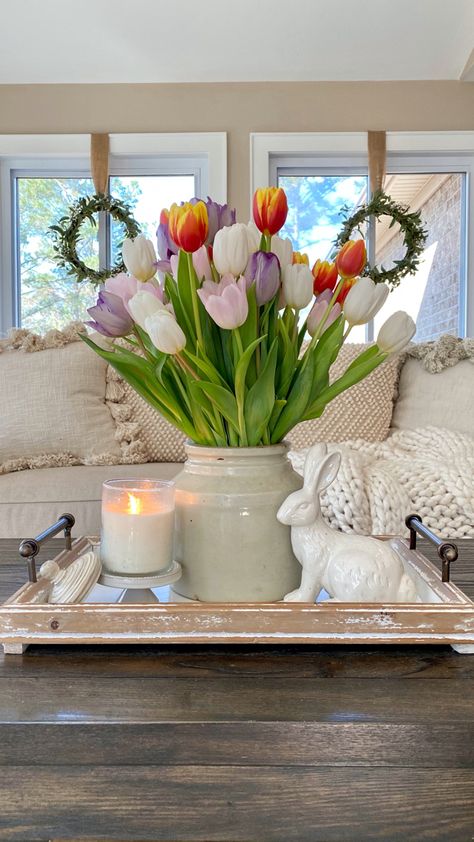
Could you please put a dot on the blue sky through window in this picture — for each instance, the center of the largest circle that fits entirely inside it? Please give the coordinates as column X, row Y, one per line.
column 315, row 203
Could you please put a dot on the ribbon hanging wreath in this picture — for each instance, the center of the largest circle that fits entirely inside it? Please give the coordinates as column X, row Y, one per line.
column 380, row 204
column 67, row 231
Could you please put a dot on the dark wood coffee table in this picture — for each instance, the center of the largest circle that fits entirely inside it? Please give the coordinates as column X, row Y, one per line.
column 235, row 743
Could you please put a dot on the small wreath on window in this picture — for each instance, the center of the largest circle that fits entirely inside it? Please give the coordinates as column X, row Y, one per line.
column 414, row 236
column 67, row 234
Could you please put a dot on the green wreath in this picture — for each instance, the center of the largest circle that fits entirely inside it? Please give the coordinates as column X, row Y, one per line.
column 414, row 236
column 67, row 235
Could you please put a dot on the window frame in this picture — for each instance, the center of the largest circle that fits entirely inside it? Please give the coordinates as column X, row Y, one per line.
column 202, row 154
column 433, row 152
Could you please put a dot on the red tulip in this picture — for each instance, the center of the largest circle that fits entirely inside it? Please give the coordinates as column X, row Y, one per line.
column 189, row 225
column 325, row 276
column 270, row 209
column 351, row 259
column 346, row 286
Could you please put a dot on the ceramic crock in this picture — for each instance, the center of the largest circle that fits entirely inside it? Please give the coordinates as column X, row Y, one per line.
column 228, row 540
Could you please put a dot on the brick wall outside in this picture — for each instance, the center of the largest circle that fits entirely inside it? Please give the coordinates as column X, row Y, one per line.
column 441, row 216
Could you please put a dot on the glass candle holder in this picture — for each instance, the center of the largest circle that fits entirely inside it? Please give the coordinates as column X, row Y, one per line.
column 137, row 526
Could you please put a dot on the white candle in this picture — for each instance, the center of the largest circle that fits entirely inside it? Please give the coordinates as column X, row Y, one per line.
column 137, row 527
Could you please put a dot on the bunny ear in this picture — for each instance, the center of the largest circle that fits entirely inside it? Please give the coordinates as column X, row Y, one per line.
column 312, row 465
column 328, row 470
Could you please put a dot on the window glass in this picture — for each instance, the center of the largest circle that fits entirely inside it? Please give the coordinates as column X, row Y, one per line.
column 431, row 295
column 49, row 298
column 315, row 215
column 147, row 195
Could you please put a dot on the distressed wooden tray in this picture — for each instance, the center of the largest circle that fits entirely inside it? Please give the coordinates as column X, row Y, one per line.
column 444, row 614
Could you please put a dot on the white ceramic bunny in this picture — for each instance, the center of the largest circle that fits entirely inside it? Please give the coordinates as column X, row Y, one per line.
column 351, row 568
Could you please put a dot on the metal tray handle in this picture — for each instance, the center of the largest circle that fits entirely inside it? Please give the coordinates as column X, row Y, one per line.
column 30, row 547
column 447, row 551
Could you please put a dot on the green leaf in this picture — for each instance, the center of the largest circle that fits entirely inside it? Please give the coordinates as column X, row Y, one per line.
column 325, row 353
column 184, row 288
column 286, row 360
column 354, row 374
column 260, row 400
column 242, row 367
column 205, row 366
column 297, row 401
column 223, row 399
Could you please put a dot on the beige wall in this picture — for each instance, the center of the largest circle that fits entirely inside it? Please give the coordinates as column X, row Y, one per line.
column 238, row 109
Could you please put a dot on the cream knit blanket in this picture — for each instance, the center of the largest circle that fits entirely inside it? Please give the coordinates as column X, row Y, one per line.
column 429, row 471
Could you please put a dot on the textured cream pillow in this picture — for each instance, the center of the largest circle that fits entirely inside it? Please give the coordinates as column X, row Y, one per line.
column 436, row 387
column 362, row 412
column 142, row 424
column 53, row 409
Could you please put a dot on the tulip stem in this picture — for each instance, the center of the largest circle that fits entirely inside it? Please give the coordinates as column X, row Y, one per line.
column 186, row 367
column 194, row 299
column 240, row 405
column 147, row 354
column 349, row 328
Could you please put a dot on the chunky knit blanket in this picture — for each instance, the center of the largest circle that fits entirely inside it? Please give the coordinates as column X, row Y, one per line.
column 429, row 471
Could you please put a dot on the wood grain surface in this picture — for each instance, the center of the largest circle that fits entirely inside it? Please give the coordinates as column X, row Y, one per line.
column 236, row 743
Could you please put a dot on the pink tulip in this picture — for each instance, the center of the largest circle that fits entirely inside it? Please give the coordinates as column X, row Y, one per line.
column 318, row 313
column 126, row 286
column 226, row 302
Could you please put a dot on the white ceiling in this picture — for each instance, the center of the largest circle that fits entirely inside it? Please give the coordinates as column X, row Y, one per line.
column 82, row 41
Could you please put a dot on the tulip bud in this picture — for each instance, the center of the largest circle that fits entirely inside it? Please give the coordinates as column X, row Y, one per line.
column 139, row 257
column 396, row 332
column 283, row 248
column 364, row 300
column 325, row 276
column 297, row 285
column 110, row 315
column 318, row 313
column 232, row 248
column 270, row 209
column 351, row 259
column 226, row 302
column 165, row 332
column 263, row 269
column 142, row 305
column 188, row 225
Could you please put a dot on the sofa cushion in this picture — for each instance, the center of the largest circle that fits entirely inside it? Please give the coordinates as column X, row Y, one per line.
column 32, row 500
column 436, row 387
column 53, row 405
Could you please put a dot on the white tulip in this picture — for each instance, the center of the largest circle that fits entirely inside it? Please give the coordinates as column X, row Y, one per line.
column 139, row 257
column 232, row 248
column 297, row 282
column 364, row 300
column 142, row 305
column 165, row 332
column 283, row 248
column 396, row 332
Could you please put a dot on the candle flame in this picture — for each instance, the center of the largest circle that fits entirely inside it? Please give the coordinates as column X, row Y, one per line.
column 134, row 505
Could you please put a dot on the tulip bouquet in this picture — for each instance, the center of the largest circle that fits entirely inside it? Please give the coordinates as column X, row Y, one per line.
column 229, row 334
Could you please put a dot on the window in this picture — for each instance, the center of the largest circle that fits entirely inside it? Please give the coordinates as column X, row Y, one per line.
column 428, row 172
column 35, row 192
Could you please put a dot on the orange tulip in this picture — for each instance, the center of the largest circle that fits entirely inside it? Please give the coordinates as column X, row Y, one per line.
column 270, row 209
column 325, row 276
column 351, row 259
column 347, row 285
column 189, row 225
column 298, row 257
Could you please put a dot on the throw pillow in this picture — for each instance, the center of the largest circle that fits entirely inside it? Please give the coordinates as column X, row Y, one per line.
column 437, row 386
column 362, row 412
column 54, row 412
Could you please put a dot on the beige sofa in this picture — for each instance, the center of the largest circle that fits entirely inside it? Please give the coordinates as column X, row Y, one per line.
column 60, row 408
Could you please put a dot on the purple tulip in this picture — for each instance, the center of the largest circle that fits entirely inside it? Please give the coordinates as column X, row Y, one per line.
column 219, row 216
column 263, row 269
column 164, row 244
column 110, row 316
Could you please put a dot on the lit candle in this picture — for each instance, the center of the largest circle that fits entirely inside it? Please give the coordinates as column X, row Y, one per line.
column 137, row 527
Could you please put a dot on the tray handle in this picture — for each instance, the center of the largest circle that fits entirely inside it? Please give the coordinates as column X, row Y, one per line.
column 30, row 547
column 447, row 551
